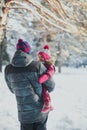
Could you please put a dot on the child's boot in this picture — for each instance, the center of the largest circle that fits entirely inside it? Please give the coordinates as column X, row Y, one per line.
column 45, row 109
column 51, row 108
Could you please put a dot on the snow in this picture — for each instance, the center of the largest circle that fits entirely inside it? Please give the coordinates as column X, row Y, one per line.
column 69, row 100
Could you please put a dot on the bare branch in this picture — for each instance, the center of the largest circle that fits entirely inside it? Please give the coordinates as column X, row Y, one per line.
column 53, row 17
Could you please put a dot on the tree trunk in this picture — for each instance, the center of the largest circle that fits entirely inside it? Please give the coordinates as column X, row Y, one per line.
column 3, row 22
column 0, row 57
column 59, row 66
column 59, row 57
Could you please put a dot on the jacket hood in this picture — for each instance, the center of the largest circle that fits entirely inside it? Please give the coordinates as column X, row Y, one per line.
column 21, row 59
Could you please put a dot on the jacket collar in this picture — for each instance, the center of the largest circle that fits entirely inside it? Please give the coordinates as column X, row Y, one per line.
column 21, row 59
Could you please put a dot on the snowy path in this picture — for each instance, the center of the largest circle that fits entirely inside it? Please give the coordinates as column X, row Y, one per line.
column 8, row 110
column 69, row 100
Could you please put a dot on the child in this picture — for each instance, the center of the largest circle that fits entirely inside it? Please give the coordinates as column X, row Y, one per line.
column 45, row 57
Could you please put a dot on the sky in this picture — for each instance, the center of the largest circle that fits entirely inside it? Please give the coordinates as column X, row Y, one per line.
column 69, row 100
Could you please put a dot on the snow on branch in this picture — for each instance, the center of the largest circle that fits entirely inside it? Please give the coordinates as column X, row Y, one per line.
column 51, row 16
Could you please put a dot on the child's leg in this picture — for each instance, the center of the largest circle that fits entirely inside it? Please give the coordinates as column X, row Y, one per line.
column 47, row 101
column 46, row 95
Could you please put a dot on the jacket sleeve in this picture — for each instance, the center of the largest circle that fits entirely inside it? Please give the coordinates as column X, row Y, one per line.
column 49, row 73
column 6, row 79
column 49, row 83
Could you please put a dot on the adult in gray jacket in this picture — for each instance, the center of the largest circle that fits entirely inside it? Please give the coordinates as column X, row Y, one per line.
column 22, row 79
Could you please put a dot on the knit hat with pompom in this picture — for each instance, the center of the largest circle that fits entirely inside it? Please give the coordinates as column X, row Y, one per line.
column 45, row 52
column 23, row 45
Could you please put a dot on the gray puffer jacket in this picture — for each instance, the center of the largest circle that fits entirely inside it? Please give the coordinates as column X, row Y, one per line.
column 22, row 79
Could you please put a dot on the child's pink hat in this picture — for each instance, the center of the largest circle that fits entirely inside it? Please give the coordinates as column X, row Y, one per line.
column 45, row 52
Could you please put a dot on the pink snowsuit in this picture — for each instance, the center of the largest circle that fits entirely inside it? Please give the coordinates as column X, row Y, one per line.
column 49, row 73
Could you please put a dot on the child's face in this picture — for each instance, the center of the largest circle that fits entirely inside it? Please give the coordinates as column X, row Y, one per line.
column 40, row 58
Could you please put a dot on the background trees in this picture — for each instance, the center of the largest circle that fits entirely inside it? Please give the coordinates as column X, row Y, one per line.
column 45, row 21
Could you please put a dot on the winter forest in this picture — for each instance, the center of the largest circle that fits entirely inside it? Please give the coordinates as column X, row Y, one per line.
column 62, row 24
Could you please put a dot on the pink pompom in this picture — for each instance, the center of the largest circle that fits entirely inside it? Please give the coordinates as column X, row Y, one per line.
column 20, row 40
column 46, row 47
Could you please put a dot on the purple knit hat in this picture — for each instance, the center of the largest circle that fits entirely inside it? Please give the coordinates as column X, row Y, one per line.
column 24, row 46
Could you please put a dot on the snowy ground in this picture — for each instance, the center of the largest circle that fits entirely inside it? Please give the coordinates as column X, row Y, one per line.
column 69, row 100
